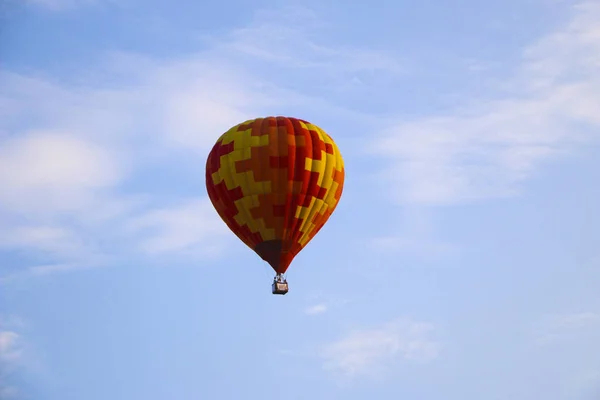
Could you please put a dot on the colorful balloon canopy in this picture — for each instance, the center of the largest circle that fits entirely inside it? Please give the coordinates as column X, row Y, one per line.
column 275, row 182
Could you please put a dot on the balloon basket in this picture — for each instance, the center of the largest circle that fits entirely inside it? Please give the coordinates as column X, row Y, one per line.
column 280, row 285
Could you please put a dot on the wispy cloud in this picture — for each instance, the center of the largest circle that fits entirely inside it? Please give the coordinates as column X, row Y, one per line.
column 10, row 350
column 10, row 355
column 58, row 5
column 584, row 384
column 54, row 183
column 187, row 227
column 320, row 303
column 485, row 151
column 316, row 309
column 9, row 346
column 75, row 155
column 111, row 164
column 554, row 329
column 368, row 352
column 416, row 236
column 57, row 171
column 588, row 378
column 277, row 37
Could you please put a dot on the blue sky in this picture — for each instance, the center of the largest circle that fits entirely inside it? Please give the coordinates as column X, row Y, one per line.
column 463, row 259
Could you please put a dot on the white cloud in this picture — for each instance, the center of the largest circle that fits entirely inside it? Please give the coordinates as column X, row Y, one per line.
column 95, row 160
column 8, row 392
column 64, row 164
column 48, row 239
column 11, row 353
column 45, row 269
column 55, row 182
column 584, row 384
column 368, row 352
column 305, row 67
column 554, row 329
column 588, row 378
column 55, row 171
column 320, row 303
column 11, row 322
column 57, row 5
column 484, row 151
column 276, row 36
column 189, row 227
column 417, row 237
column 316, row 309
column 9, row 346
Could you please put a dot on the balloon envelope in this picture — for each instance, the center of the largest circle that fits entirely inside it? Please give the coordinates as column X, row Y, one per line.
column 275, row 182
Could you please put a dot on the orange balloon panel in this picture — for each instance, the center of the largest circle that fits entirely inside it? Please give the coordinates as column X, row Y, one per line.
column 275, row 182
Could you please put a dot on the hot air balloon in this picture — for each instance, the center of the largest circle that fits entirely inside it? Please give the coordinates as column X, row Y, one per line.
column 275, row 182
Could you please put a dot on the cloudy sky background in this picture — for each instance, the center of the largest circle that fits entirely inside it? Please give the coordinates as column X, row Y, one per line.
column 462, row 262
